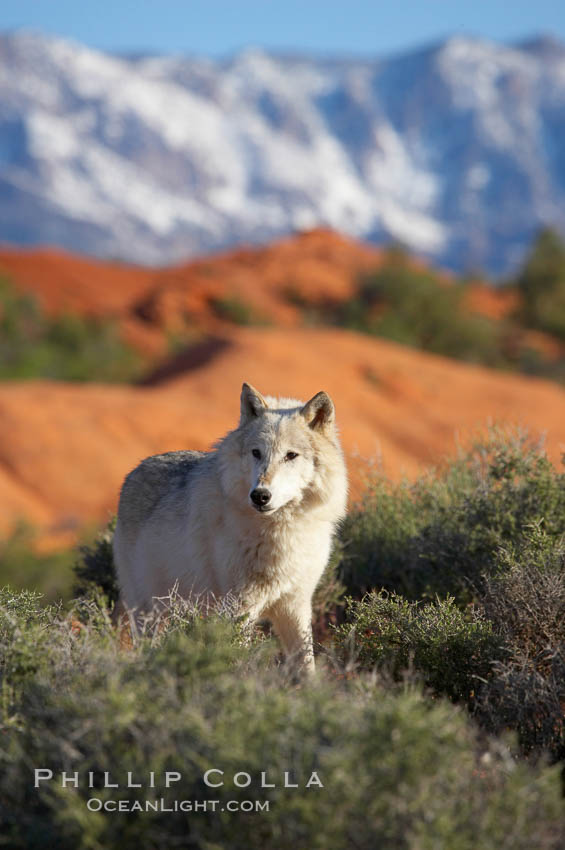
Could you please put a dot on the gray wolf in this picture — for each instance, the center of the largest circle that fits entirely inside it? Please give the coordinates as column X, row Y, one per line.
column 252, row 520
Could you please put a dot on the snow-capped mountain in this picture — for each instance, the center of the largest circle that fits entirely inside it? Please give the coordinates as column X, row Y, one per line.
column 457, row 150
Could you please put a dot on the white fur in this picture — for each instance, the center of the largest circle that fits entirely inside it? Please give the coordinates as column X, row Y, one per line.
column 187, row 519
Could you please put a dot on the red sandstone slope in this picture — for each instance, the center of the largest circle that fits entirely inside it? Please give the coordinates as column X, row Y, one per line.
column 64, row 281
column 312, row 266
column 64, row 449
column 150, row 304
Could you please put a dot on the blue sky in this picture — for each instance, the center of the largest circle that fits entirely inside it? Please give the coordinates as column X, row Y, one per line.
column 217, row 27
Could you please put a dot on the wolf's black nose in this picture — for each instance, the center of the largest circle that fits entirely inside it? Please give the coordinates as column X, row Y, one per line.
column 260, row 496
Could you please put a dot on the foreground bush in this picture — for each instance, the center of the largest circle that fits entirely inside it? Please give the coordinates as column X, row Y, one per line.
column 94, row 569
column 444, row 533
column 452, row 651
column 526, row 605
column 504, row 656
column 397, row 771
column 489, row 530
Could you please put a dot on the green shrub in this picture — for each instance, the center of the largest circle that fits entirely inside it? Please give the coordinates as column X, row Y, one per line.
column 451, row 650
column 490, row 530
column 397, row 771
column 234, row 309
column 525, row 603
column 526, row 597
column 442, row 534
column 541, row 283
column 66, row 347
column 414, row 307
column 95, row 572
column 419, row 308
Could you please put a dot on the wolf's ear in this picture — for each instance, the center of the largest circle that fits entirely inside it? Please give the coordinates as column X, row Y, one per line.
column 319, row 412
column 252, row 403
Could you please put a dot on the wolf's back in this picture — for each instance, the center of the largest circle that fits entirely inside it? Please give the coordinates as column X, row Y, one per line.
column 156, row 478
column 156, row 490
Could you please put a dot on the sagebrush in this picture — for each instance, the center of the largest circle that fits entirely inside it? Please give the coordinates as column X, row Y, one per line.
column 397, row 770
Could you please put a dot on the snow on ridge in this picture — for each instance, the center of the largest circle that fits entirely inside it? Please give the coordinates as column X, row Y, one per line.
column 452, row 149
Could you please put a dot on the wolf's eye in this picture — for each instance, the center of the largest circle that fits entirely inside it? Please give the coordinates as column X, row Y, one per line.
column 256, row 453
column 290, row 455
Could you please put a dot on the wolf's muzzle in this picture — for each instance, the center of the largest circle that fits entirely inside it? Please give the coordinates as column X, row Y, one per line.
column 261, row 498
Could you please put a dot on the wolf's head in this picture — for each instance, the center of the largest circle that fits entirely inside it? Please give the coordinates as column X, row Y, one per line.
column 286, row 448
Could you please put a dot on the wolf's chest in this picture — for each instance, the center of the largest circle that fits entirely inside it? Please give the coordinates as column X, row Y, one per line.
column 283, row 557
column 268, row 557
column 265, row 571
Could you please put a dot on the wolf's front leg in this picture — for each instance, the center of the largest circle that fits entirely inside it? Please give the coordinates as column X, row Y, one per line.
column 291, row 617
